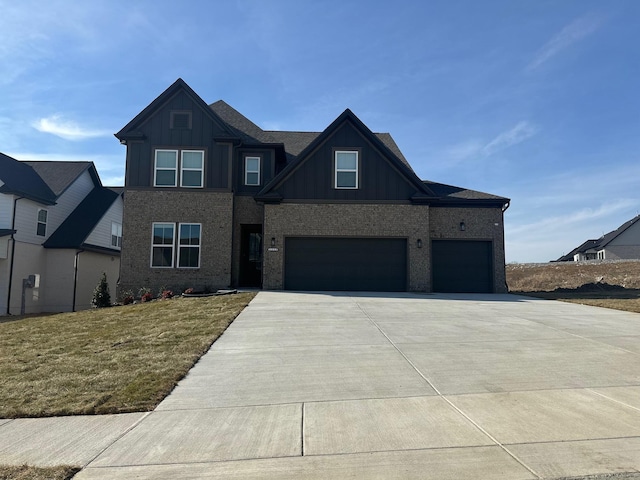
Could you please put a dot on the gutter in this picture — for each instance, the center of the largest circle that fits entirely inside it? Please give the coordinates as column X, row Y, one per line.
column 75, row 278
column 13, row 253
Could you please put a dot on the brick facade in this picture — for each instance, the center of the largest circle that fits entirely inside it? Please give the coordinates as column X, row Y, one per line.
column 347, row 220
column 143, row 207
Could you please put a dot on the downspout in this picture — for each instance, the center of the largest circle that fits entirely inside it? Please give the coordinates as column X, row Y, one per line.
column 13, row 254
column 75, row 278
column 504, row 209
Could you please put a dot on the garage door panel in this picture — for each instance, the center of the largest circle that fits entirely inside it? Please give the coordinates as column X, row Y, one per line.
column 461, row 266
column 357, row 264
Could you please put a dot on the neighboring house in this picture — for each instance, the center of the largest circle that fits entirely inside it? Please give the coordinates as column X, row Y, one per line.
column 621, row 244
column 211, row 199
column 62, row 228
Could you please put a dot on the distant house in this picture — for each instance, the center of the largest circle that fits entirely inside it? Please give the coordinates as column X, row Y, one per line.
column 59, row 230
column 211, row 199
column 621, row 244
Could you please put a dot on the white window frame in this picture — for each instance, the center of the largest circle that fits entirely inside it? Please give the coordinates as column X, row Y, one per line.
column 118, row 234
column 156, row 169
column 180, row 246
column 247, row 171
column 40, row 222
column 337, row 170
column 163, row 245
column 183, row 169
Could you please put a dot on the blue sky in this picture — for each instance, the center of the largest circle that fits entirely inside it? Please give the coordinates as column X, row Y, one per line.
column 537, row 101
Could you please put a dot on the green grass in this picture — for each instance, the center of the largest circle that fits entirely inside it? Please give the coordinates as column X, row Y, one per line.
column 111, row 360
column 25, row 472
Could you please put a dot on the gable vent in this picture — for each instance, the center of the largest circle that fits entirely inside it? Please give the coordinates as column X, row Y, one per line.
column 180, row 120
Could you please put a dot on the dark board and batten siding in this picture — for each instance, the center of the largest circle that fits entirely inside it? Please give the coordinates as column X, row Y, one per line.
column 159, row 134
column 462, row 266
column 346, row 264
column 378, row 179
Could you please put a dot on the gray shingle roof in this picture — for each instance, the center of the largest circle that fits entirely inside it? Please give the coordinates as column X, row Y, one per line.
column 21, row 179
column 59, row 175
column 76, row 228
column 459, row 193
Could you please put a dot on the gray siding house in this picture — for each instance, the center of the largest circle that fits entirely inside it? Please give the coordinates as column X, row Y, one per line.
column 623, row 243
column 211, row 199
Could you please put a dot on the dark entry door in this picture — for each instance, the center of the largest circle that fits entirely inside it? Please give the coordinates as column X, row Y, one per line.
column 461, row 266
column 251, row 255
column 355, row 264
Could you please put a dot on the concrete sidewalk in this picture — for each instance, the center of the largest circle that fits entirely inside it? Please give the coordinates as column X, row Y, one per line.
column 334, row 385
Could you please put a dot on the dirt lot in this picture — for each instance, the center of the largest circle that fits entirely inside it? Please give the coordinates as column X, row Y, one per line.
column 599, row 283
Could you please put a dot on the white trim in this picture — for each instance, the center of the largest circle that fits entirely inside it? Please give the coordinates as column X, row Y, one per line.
column 336, row 169
column 155, row 168
column 173, row 244
column 199, row 246
column 118, row 234
column 246, row 171
column 183, row 169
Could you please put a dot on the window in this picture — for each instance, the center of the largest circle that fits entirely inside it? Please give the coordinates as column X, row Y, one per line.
column 166, row 168
column 41, row 228
column 192, row 166
column 116, row 235
column 189, row 245
column 180, row 119
column 162, row 245
column 252, row 171
column 346, row 169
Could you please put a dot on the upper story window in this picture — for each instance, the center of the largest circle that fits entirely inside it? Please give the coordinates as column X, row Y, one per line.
column 252, row 170
column 192, row 168
column 346, row 169
column 191, row 171
column 180, row 119
column 166, row 168
column 116, row 235
column 41, row 228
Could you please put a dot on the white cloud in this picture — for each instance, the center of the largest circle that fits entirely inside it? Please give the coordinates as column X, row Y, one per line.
column 574, row 32
column 519, row 133
column 66, row 129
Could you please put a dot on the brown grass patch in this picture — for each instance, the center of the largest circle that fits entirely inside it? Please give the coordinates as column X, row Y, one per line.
column 601, row 284
column 25, row 472
column 112, row 360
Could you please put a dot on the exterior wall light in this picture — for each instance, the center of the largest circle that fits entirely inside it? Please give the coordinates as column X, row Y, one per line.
column 273, row 241
column 419, row 243
column 463, row 227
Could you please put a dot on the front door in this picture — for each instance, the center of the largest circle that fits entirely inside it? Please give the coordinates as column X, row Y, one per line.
column 251, row 256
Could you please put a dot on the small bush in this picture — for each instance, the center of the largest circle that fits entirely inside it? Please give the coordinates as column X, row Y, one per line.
column 166, row 294
column 101, row 296
column 189, row 291
column 146, row 297
column 127, row 300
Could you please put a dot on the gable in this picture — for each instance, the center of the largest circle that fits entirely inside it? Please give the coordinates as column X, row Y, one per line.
column 381, row 176
column 630, row 236
column 178, row 118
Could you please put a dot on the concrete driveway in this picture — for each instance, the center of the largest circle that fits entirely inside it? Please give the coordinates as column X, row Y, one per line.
column 332, row 385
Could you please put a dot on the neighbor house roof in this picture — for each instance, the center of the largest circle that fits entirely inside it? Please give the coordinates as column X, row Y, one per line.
column 73, row 232
column 22, row 179
column 59, row 175
column 600, row 243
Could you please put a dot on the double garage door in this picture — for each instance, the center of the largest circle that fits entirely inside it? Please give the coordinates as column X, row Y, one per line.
column 381, row 264
column 353, row 264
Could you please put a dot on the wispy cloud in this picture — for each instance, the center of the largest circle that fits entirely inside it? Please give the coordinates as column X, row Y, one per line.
column 517, row 134
column 67, row 129
column 577, row 30
column 478, row 149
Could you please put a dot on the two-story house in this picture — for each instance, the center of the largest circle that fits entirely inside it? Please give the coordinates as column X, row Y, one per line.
column 59, row 230
column 212, row 199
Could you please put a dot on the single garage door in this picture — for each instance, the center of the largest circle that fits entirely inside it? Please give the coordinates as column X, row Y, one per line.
column 355, row 264
column 462, row 266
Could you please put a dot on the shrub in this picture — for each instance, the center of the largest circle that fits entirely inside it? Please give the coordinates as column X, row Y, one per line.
column 146, row 297
column 166, row 294
column 101, row 296
column 189, row 291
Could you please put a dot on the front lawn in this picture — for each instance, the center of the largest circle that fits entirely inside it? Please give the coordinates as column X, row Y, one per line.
column 111, row 360
column 25, row 472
